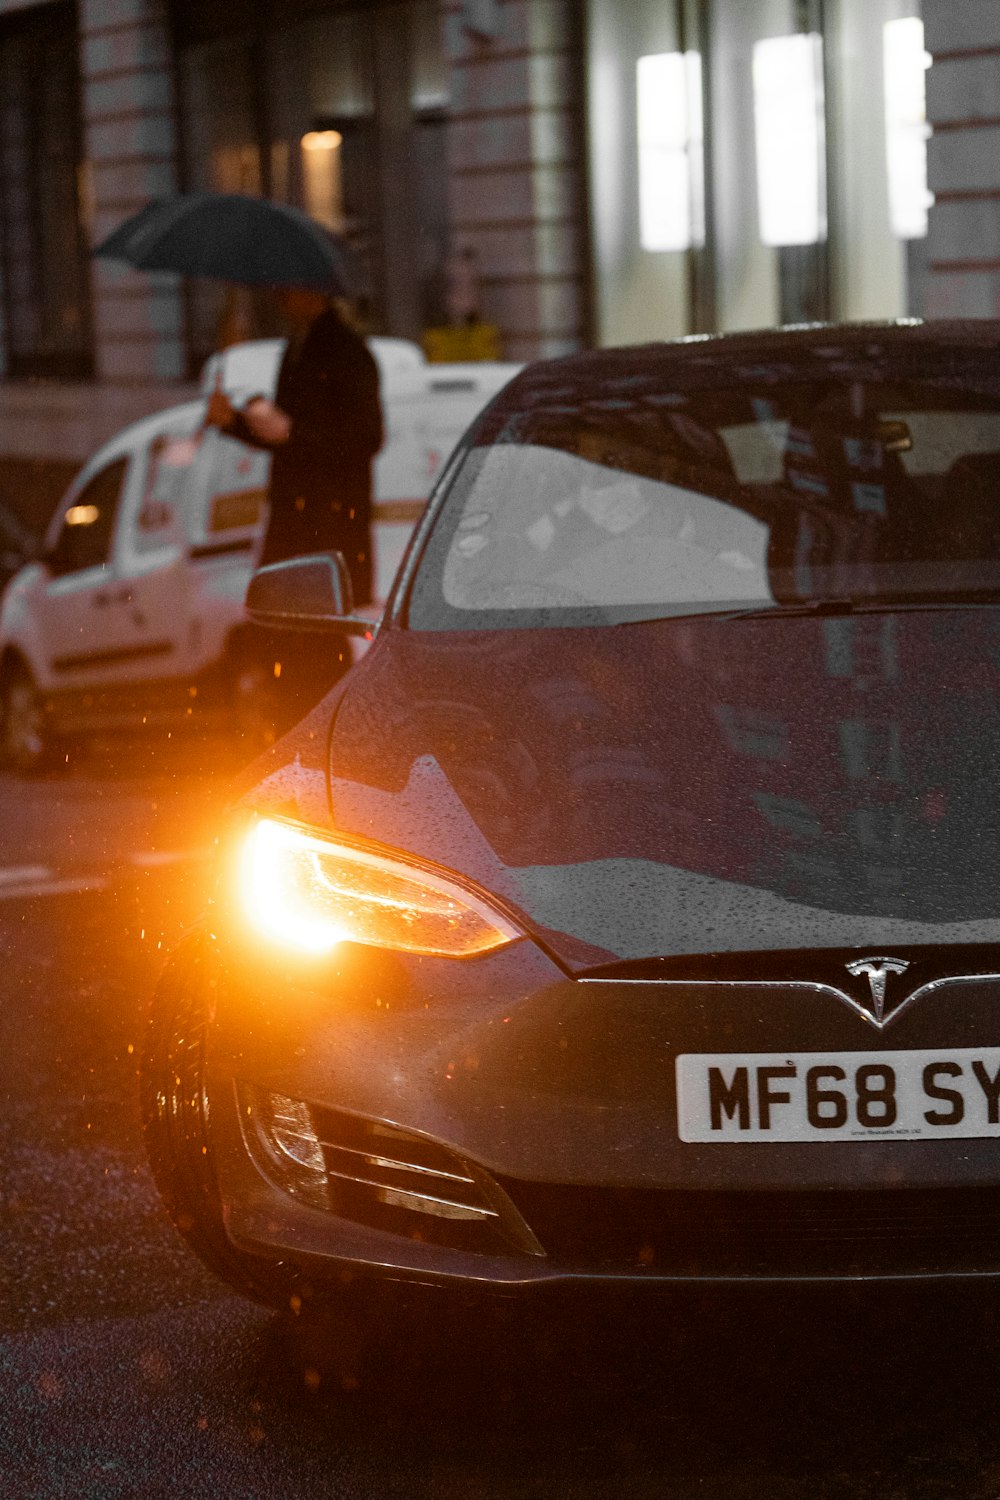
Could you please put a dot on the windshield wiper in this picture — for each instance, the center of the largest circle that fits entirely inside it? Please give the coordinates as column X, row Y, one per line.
column 870, row 604
column 825, row 609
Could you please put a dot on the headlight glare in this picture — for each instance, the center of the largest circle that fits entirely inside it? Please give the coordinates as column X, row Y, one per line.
column 310, row 893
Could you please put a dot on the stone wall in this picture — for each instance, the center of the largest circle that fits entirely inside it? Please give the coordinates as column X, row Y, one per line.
column 963, row 104
column 516, row 168
column 128, row 110
column 47, row 428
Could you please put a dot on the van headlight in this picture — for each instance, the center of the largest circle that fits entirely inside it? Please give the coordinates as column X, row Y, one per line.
column 310, row 892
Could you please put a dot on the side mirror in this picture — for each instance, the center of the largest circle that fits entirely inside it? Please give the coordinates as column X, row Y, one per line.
column 306, row 593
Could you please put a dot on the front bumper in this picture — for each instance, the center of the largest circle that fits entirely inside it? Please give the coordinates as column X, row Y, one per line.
column 557, row 1096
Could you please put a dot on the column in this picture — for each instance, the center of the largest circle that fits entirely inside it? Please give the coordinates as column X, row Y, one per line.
column 516, row 168
column 963, row 104
column 128, row 110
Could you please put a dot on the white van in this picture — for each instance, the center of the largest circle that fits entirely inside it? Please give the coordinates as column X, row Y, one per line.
column 135, row 614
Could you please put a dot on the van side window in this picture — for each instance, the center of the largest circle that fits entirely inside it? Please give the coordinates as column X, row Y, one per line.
column 84, row 539
column 160, row 517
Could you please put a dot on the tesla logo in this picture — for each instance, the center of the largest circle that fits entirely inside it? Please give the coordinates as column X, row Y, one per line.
column 878, row 971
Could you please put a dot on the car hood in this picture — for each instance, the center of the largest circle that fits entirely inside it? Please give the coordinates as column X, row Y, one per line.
column 696, row 785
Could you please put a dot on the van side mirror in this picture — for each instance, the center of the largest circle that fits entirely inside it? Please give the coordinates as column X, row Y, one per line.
column 306, row 593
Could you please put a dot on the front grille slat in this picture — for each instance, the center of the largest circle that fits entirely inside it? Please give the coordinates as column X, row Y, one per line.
column 416, row 1182
column 381, row 1175
column 460, row 1210
column 392, row 1162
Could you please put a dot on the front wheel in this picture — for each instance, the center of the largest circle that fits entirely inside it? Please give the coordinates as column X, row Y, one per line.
column 328, row 1332
column 26, row 739
column 176, row 1110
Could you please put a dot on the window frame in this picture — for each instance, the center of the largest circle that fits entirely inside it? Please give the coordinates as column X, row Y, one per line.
column 59, row 569
column 38, row 29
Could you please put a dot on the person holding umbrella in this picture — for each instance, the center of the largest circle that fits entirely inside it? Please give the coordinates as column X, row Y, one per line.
column 324, row 425
column 324, row 428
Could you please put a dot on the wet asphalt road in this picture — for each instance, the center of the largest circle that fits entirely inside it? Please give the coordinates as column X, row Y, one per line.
column 125, row 1370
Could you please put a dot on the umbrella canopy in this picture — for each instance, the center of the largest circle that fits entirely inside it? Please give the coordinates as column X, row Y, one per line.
column 232, row 237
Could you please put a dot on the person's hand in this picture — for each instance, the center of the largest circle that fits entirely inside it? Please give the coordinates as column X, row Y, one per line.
column 220, row 410
column 267, row 421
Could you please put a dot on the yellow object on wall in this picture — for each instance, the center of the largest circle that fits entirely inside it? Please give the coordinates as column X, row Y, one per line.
column 466, row 341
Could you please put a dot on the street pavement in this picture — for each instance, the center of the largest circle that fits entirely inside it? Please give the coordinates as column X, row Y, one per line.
column 126, row 1370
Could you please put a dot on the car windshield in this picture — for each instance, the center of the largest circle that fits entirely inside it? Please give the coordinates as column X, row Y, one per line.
column 635, row 500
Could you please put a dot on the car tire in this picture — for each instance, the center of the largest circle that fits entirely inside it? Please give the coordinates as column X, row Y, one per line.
column 175, row 1104
column 26, row 741
column 252, row 704
column 252, row 699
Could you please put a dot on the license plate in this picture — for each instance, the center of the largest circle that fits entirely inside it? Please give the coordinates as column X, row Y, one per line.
column 842, row 1096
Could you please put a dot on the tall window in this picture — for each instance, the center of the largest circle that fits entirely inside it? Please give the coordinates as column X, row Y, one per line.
column 43, row 253
column 337, row 109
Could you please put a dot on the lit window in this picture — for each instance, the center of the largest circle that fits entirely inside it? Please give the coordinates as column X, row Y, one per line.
column 82, row 515
column 322, row 177
column 790, row 138
column 906, row 128
column 671, row 181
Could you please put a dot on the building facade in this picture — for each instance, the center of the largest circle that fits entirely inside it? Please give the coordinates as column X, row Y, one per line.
column 443, row 139
column 963, row 97
column 744, row 157
column 567, row 171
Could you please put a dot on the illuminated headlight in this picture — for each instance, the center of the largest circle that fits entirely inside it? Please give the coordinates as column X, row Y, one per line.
column 310, row 892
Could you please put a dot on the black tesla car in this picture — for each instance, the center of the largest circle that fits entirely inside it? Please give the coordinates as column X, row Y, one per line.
column 631, row 911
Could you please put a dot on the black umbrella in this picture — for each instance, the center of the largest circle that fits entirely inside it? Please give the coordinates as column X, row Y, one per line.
column 231, row 237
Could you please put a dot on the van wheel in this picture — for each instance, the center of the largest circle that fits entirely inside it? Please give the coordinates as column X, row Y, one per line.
column 253, row 702
column 25, row 738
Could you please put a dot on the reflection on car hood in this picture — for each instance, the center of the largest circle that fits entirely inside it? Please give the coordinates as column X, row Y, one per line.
column 694, row 785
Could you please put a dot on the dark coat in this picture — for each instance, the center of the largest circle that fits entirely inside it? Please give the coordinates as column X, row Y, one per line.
column 321, row 479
